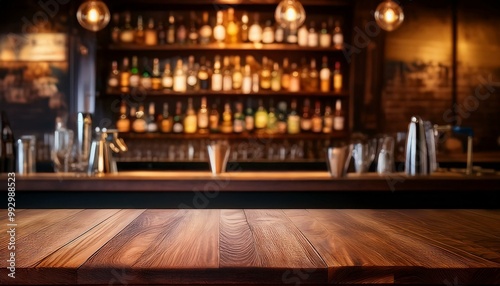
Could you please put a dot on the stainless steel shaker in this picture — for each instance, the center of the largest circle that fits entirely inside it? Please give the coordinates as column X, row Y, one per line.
column 84, row 138
column 26, row 156
column 418, row 156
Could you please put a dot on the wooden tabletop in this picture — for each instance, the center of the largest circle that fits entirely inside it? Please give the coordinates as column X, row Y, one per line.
column 253, row 246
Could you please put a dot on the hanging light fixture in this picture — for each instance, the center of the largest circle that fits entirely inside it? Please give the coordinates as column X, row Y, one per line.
column 93, row 15
column 290, row 13
column 389, row 15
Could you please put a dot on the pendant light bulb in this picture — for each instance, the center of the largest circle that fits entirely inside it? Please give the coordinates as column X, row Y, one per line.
column 290, row 13
column 389, row 15
column 93, row 15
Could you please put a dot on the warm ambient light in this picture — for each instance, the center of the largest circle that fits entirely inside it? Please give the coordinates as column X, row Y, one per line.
column 389, row 15
column 290, row 13
column 93, row 15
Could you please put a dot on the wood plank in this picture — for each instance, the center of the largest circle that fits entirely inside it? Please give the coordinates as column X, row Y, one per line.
column 160, row 246
column 38, row 243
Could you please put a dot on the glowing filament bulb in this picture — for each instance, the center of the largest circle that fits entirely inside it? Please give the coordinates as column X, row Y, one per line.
column 291, row 14
column 390, row 16
column 93, row 15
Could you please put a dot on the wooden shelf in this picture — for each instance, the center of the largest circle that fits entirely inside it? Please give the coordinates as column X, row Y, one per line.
column 220, row 47
column 117, row 92
column 233, row 136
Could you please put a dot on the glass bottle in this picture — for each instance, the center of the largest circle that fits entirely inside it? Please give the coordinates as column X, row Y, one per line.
column 325, row 76
column 134, row 79
column 127, row 33
column 203, row 117
column 205, row 30
column 233, row 29
column 192, row 75
column 132, row 116
column 304, row 75
column 203, row 75
column 328, row 120
column 190, row 120
column 268, row 33
column 167, row 81
column 325, row 38
column 214, row 119
column 244, row 28
column 292, row 35
column 227, row 75
column 338, row 36
column 156, row 78
column 151, row 35
column 181, row 33
column 139, row 125
column 255, row 82
column 302, row 36
column 312, row 35
column 305, row 120
column 171, row 29
column 239, row 119
column 193, row 29
column 272, row 119
column 139, row 31
column 123, row 122
column 276, row 78
column 285, row 75
column 249, row 117
column 338, row 118
column 246, row 86
column 217, row 75
column 255, row 31
column 337, row 78
column 179, row 77
column 313, row 77
column 294, row 79
column 293, row 122
column 282, row 120
column 115, row 31
column 151, row 119
column 146, row 81
column 166, row 120
column 279, row 34
column 261, row 117
column 219, row 29
column 265, row 74
column 162, row 35
column 227, row 119
column 178, row 126
column 237, row 74
column 114, row 76
column 317, row 120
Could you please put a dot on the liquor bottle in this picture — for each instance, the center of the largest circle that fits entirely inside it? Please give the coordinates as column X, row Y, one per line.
column 255, row 82
column 214, row 119
column 328, row 120
column 317, row 120
column 115, row 31
column 261, row 117
column 171, row 29
column 285, row 75
column 239, row 119
column 304, row 75
column 265, row 74
column 162, row 35
column 139, row 31
column 166, row 120
column 338, row 36
column 150, row 34
column 127, row 33
column 292, row 35
column 337, row 78
column 191, row 120
column 276, row 78
column 305, row 120
column 181, row 32
column 179, row 77
column 279, row 34
column 125, row 76
column 294, row 79
column 167, row 81
column 227, row 119
column 219, row 29
column 302, row 36
column 192, row 75
column 244, row 28
column 217, row 75
column 293, row 122
column 193, row 29
column 7, row 155
column 132, row 116
column 178, row 126
column 313, row 77
column 146, row 81
column 237, row 74
column 325, row 76
column 246, row 86
column 134, row 73
column 272, row 119
column 203, row 75
column 114, row 76
column 151, row 119
column 227, row 75
column 325, row 38
column 312, row 35
column 203, row 117
column 282, row 125
column 156, row 78
column 139, row 125
column 233, row 29
column 255, row 31
column 338, row 118
column 123, row 122
column 268, row 33
column 205, row 30
column 249, row 117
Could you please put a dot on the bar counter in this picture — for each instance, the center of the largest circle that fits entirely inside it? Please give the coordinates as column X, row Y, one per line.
column 241, row 246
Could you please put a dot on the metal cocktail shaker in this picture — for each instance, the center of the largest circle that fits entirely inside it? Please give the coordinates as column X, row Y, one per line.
column 419, row 159
column 83, row 138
